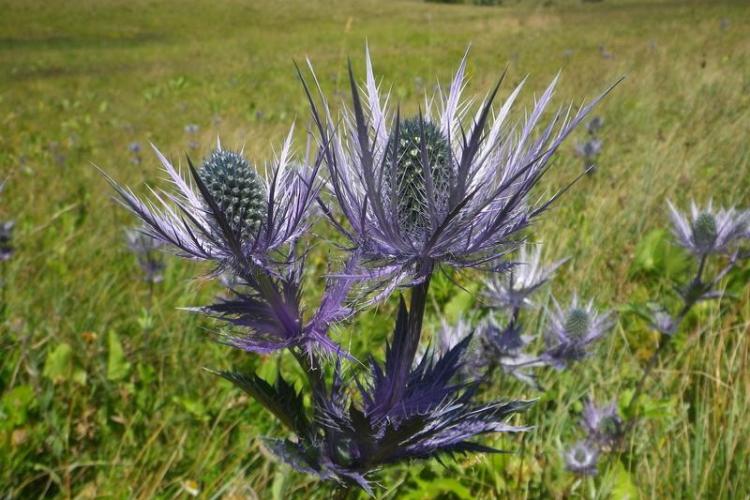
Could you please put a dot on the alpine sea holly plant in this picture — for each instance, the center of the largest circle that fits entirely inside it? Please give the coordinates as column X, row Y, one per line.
column 449, row 187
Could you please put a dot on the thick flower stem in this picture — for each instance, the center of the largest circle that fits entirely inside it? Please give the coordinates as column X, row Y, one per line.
column 416, row 316
column 417, row 303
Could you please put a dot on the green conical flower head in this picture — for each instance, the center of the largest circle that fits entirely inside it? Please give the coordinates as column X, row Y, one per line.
column 577, row 323
column 704, row 230
column 236, row 188
column 409, row 179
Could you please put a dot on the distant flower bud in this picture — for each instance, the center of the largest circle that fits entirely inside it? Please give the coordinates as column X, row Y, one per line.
column 6, row 240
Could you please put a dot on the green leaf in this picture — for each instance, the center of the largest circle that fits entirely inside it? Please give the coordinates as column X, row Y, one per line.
column 58, row 366
column 15, row 404
column 623, row 486
column 117, row 366
column 655, row 255
column 460, row 304
column 193, row 406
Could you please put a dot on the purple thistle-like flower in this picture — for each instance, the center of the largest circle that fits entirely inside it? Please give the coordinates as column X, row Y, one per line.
column 146, row 248
column 708, row 230
column 449, row 186
column 229, row 214
column 603, row 425
column 589, row 149
column 572, row 330
column 594, row 125
column 582, row 458
column 513, row 288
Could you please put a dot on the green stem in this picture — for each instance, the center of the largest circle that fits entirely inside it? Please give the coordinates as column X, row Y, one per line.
column 664, row 342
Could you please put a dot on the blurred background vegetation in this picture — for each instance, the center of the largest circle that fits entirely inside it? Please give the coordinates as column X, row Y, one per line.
column 100, row 374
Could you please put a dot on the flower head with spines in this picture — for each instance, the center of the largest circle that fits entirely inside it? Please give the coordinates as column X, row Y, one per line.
column 514, row 288
column 227, row 212
column 602, row 424
column 707, row 230
column 582, row 458
column 236, row 188
column 572, row 330
column 466, row 176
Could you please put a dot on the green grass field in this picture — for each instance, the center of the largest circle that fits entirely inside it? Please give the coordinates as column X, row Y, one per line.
column 103, row 391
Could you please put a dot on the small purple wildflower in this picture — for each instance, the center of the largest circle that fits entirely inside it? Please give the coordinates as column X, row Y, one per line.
column 229, row 213
column 572, row 330
column 6, row 240
column 595, row 125
column 504, row 348
column 135, row 151
column 582, row 458
column 513, row 288
column 589, row 151
column 603, row 425
column 708, row 230
column 6, row 235
column 146, row 249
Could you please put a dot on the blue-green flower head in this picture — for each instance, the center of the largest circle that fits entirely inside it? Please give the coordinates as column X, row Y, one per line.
column 237, row 189
column 572, row 330
column 420, row 140
column 577, row 322
column 704, row 230
column 707, row 230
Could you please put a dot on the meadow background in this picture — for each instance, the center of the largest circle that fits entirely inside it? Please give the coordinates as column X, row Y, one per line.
column 103, row 392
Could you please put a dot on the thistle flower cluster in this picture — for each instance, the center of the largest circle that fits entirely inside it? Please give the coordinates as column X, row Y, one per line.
column 603, row 429
column 569, row 335
column 447, row 187
column 590, row 149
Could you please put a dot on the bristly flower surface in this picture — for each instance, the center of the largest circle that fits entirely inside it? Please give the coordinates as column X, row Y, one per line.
column 707, row 230
column 229, row 213
column 514, row 288
column 450, row 186
column 572, row 330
